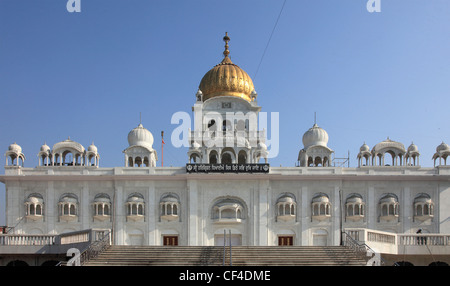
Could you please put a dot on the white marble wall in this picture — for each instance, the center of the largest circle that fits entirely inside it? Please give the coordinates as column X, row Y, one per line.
column 198, row 193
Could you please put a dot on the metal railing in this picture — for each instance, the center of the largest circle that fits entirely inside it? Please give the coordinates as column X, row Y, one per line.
column 225, row 248
column 101, row 243
column 362, row 250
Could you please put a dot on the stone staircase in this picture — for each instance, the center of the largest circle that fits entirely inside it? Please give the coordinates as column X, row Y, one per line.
column 213, row 256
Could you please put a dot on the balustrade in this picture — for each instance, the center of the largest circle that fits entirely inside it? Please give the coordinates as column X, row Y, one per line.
column 26, row 239
column 424, row 239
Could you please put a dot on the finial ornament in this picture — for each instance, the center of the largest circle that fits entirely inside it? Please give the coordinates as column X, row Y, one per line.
column 226, row 39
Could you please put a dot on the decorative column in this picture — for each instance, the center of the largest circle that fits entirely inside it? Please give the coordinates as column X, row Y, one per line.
column 305, row 218
column 119, row 217
column 84, row 214
column 263, row 227
column 153, row 215
column 192, row 213
column 336, row 215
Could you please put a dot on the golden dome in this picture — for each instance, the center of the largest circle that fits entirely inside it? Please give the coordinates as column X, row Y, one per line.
column 226, row 79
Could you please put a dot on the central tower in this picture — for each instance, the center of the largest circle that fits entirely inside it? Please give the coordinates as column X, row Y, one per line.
column 226, row 117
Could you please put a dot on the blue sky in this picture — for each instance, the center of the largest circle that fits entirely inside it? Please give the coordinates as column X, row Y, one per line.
column 89, row 75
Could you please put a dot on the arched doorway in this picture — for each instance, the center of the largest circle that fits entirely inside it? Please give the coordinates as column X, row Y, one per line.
column 17, row 263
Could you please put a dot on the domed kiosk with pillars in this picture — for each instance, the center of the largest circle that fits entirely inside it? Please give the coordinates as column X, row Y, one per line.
column 14, row 154
column 315, row 151
column 140, row 151
column 441, row 155
column 388, row 153
column 68, row 153
column 395, row 149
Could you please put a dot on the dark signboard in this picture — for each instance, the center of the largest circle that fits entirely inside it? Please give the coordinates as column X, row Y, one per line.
column 227, row 168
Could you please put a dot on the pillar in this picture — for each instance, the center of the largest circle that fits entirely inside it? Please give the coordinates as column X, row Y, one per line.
column 153, row 214
column 193, row 220
column 118, row 217
column 263, row 227
column 84, row 205
column 305, row 217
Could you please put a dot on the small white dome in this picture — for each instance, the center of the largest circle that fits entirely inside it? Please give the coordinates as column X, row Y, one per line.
column 68, row 144
column 102, row 198
column 355, row 198
column 92, row 148
column 286, row 198
column 15, row 148
column 315, row 136
column 232, row 203
column 388, row 144
column 135, row 198
column 413, row 148
column 170, row 198
column 69, row 198
column 389, row 199
column 35, row 199
column 45, row 148
column 442, row 147
column 364, row 148
column 321, row 198
column 140, row 136
column 423, row 198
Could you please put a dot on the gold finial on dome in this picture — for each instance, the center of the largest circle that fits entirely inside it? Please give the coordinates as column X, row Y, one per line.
column 226, row 79
column 226, row 39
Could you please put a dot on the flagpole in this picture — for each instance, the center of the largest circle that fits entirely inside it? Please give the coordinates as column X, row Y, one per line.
column 162, row 148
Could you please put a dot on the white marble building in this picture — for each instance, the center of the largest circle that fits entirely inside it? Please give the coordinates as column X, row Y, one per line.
column 147, row 205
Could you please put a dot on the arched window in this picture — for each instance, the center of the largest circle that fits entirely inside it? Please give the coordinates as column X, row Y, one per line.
column 242, row 157
column 241, row 125
column 68, row 206
column 355, row 207
column 226, row 158
column 423, row 207
column 34, row 206
column 226, row 125
column 286, row 207
column 194, row 158
column 170, row 207
column 321, row 207
column 102, row 207
column 228, row 210
column 389, row 207
column 135, row 206
column 213, row 157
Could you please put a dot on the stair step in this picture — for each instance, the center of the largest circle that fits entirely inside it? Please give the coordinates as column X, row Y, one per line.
column 213, row 255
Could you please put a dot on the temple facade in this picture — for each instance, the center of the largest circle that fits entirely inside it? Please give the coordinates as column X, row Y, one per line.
column 311, row 203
